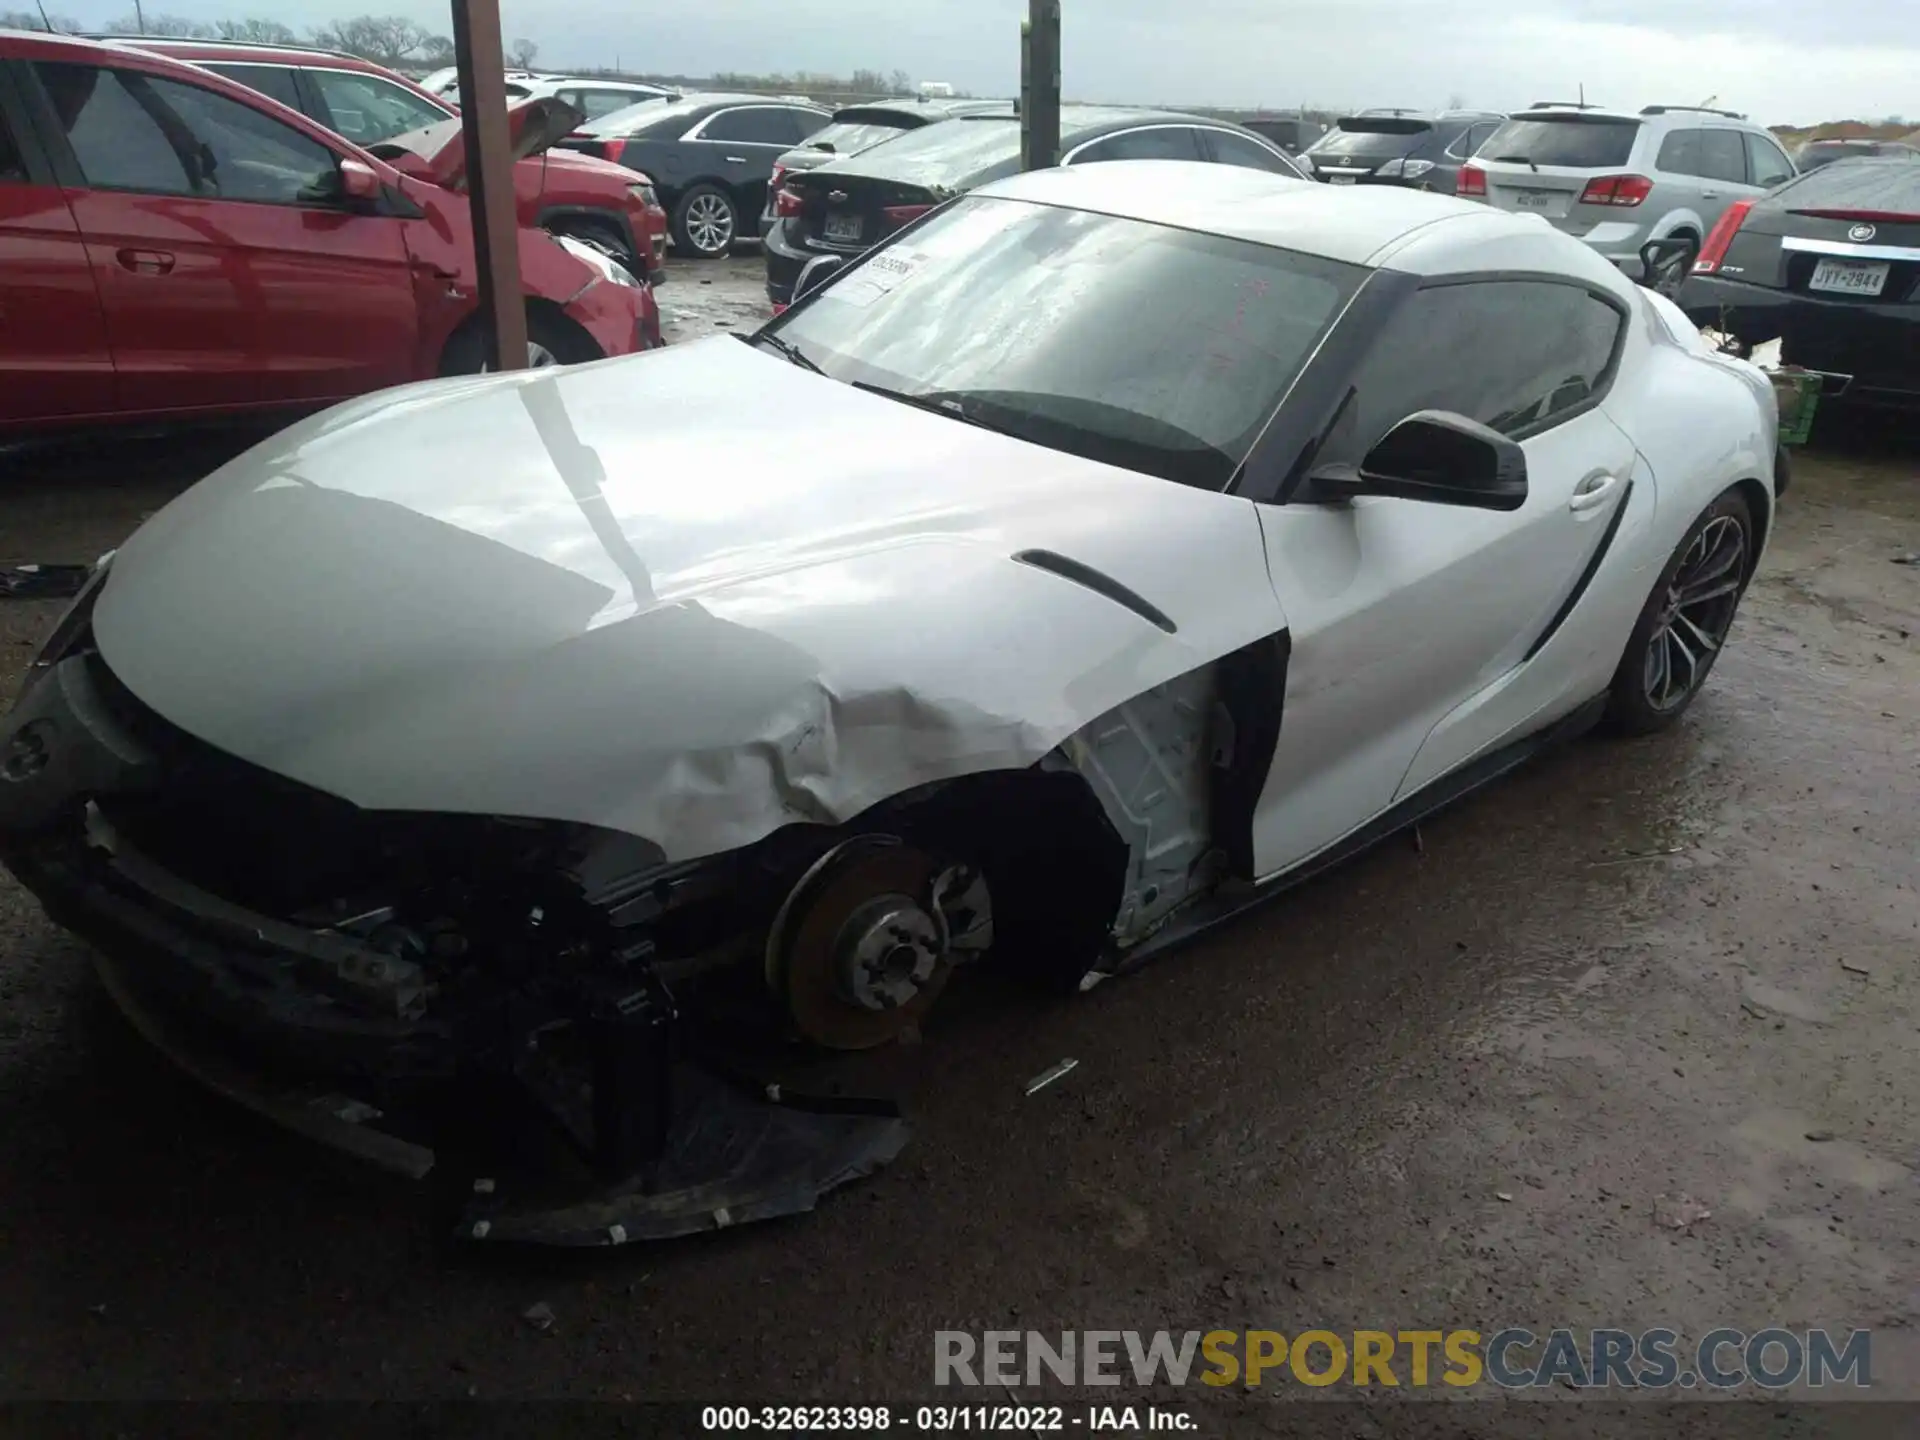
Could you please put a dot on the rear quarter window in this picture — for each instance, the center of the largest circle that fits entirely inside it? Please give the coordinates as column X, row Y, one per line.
column 1576, row 143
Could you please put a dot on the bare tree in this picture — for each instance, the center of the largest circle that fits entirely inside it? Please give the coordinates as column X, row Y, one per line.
column 33, row 20
column 1456, row 101
column 174, row 25
column 521, row 53
column 900, row 83
column 258, row 32
column 384, row 39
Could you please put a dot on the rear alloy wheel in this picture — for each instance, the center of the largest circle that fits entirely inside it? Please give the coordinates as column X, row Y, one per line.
column 706, row 221
column 1685, row 621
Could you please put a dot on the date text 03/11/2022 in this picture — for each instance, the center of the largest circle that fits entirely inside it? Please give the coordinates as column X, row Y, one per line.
column 940, row 1419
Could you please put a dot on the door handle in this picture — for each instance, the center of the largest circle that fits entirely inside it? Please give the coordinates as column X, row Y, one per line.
column 145, row 262
column 1594, row 491
column 736, row 159
column 1709, row 194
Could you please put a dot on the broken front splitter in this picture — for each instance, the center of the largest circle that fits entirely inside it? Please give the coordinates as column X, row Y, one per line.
column 730, row 1156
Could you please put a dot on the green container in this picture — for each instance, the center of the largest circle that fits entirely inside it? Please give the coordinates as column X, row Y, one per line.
column 1798, row 392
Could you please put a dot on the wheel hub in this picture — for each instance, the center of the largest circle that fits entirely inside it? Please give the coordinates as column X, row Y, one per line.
column 866, row 941
column 886, row 952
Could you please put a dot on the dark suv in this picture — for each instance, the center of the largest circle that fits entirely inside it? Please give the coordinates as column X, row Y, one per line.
column 710, row 157
column 1400, row 147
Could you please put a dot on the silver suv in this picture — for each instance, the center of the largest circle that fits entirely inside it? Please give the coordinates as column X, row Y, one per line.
column 1617, row 180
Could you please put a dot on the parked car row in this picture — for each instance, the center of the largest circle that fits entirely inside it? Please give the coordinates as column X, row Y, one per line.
column 176, row 244
column 710, row 157
column 844, row 207
column 589, row 94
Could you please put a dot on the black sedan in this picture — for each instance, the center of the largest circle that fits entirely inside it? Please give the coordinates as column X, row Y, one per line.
column 1829, row 265
column 861, row 127
column 1401, row 147
column 710, row 157
column 845, row 207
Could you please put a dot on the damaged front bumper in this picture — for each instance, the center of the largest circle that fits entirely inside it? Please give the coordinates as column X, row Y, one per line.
column 574, row 1100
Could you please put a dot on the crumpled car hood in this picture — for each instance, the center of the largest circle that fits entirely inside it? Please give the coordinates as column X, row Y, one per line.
column 692, row 595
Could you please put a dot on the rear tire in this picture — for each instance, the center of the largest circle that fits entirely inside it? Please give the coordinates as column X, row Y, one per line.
column 706, row 222
column 552, row 339
column 1683, row 626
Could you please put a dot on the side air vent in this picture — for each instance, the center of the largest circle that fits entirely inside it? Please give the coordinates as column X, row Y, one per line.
column 1101, row 584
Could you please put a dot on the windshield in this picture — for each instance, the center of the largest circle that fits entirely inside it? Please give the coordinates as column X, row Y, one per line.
column 948, row 152
column 1571, row 140
column 1383, row 137
column 1160, row 350
column 850, row 137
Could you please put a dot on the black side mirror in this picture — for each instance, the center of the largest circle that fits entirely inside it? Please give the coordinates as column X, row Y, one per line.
column 1438, row 457
column 1665, row 263
column 816, row 273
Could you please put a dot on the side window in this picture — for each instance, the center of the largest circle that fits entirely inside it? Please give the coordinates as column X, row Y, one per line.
column 1468, row 145
column 1769, row 162
column 133, row 131
column 1163, row 142
column 602, row 102
column 121, row 142
column 1680, row 153
column 1232, row 149
column 1723, row 156
column 808, row 122
column 756, row 125
column 273, row 81
column 367, row 109
column 1538, row 350
column 13, row 165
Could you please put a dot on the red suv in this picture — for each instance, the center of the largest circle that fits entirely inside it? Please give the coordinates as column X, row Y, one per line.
column 579, row 195
column 174, row 244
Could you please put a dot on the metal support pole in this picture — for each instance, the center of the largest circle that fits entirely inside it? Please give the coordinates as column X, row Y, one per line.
column 1040, row 86
column 479, row 58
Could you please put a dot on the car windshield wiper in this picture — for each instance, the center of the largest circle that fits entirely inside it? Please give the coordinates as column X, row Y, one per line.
column 1526, row 160
column 787, row 349
column 933, row 403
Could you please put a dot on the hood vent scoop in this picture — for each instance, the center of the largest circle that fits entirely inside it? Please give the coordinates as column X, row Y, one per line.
column 1100, row 583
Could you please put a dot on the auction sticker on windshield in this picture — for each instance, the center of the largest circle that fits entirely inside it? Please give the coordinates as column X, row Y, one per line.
column 881, row 275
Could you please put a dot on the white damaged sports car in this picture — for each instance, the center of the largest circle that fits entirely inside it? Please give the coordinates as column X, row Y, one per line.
column 1112, row 548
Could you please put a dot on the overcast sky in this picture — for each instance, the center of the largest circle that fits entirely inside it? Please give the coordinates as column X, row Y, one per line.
column 1783, row 61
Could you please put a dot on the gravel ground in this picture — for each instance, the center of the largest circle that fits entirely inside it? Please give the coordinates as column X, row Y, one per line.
column 1446, row 1085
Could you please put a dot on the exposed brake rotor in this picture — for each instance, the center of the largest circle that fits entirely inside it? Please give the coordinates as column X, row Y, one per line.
column 860, row 950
